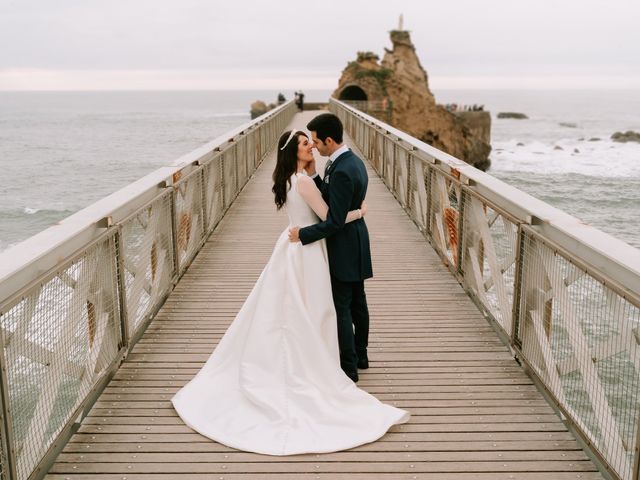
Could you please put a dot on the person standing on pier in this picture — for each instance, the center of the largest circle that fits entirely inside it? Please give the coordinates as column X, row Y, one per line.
column 343, row 187
column 299, row 98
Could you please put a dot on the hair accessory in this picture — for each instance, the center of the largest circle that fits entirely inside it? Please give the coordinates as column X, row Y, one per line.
column 293, row 132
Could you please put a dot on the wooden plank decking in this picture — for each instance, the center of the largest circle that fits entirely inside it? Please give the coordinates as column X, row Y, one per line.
column 475, row 413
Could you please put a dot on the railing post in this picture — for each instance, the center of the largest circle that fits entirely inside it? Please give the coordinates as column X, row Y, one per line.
column 122, row 289
column 205, row 207
column 6, row 427
column 461, row 239
column 174, row 235
column 394, row 173
column 245, row 151
column 407, row 193
column 428, row 178
column 222, row 182
column 636, row 452
column 517, row 289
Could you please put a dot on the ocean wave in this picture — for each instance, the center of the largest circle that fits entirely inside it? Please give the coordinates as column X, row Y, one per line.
column 569, row 156
column 29, row 213
column 233, row 114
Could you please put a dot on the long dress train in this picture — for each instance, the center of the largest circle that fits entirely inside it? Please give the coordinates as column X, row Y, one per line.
column 273, row 385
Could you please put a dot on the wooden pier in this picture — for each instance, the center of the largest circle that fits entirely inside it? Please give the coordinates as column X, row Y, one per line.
column 475, row 412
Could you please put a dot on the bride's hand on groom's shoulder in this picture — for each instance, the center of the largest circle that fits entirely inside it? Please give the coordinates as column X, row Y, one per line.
column 294, row 234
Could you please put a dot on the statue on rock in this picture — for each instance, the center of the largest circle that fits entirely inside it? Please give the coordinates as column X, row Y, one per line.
column 399, row 85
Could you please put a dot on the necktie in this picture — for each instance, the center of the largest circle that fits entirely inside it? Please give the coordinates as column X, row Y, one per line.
column 327, row 166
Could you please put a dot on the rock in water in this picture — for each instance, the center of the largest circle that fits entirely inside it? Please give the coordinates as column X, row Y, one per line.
column 258, row 108
column 396, row 90
column 628, row 136
column 516, row 115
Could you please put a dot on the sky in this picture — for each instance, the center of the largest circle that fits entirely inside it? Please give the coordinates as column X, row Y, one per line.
column 253, row 44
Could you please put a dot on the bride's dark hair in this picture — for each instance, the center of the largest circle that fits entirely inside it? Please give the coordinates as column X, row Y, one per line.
column 286, row 165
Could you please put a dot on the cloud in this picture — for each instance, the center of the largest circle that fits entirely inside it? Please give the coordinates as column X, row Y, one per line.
column 139, row 44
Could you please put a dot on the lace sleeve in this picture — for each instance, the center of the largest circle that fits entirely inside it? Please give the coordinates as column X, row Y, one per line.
column 310, row 193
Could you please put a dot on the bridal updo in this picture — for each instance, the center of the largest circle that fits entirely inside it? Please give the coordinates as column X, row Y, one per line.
column 286, row 165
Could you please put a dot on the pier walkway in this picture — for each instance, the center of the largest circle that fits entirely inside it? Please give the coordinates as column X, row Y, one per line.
column 476, row 414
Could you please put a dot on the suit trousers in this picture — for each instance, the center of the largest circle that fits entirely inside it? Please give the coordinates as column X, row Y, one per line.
column 353, row 322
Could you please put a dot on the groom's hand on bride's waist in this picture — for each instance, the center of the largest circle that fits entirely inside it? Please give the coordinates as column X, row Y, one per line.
column 294, row 234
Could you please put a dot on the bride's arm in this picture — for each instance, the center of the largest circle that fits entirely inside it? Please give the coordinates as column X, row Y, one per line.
column 310, row 193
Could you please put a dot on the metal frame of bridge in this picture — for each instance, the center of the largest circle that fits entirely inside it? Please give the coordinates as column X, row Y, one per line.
column 118, row 282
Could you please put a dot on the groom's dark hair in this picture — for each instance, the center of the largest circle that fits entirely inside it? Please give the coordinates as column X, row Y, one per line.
column 326, row 125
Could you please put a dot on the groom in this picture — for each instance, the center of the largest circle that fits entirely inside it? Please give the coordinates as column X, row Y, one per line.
column 343, row 188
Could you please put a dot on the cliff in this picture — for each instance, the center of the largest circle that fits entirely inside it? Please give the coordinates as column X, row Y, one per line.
column 399, row 87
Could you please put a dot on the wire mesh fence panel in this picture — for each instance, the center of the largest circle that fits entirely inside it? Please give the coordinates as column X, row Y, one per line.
column 147, row 259
column 243, row 159
column 581, row 338
column 214, row 192
column 59, row 340
column 389, row 161
column 401, row 176
column 373, row 155
column 445, row 200
column 229, row 177
column 381, row 158
column 258, row 144
column 364, row 141
column 417, row 190
column 189, row 218
column 489, row 249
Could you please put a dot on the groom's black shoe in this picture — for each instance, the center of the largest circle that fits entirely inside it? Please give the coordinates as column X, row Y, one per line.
column 363, row 360
column 353, row 376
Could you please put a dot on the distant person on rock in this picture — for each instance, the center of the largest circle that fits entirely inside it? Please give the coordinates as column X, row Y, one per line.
column 300, row 100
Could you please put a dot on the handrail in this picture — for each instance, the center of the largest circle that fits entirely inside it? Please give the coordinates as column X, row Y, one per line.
column 565, row 296
column 76, row 297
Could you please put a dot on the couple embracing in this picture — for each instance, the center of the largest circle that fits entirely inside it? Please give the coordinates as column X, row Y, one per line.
column 282, row 379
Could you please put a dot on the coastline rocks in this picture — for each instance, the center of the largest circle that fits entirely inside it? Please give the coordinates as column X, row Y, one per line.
column 558, row 147
column 594, row 139
column 515, row 115
column 396, row 90
column 258, row 108
column 568, row 125
column 628, row 136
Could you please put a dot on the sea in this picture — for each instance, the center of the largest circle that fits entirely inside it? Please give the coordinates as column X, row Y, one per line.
column 62, row 151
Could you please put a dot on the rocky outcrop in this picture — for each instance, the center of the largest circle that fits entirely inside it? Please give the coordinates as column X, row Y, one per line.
column 396, row 90
column 628, row 136
column 516, row 115
column 258, row 108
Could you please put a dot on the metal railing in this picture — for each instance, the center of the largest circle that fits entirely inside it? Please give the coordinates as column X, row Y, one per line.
column 565, row 296
column 75, row 298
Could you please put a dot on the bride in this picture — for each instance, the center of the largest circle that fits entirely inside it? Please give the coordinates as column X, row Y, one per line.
column 274, row 385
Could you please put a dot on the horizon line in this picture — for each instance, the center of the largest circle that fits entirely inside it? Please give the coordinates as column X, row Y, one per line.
column 25, row 80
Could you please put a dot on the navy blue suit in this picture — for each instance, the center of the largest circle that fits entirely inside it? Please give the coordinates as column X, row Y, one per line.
column 343, row 188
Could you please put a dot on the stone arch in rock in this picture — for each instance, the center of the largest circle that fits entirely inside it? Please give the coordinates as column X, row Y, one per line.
column 353, row 92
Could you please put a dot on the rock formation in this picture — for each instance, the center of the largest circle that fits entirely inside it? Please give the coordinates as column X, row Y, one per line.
column 628, row 136
column 397, row 91
column 515, row 115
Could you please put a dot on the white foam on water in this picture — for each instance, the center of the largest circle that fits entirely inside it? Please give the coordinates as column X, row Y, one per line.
column 603, row 158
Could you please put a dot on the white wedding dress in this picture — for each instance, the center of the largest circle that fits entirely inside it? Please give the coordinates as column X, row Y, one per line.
column 273, row 385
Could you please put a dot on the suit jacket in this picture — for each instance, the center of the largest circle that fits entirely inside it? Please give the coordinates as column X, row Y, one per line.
column 343, row 188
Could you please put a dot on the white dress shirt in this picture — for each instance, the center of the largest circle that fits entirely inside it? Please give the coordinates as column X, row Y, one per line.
column 335, row 155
